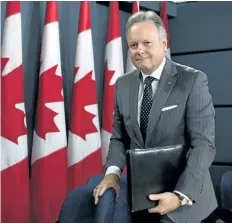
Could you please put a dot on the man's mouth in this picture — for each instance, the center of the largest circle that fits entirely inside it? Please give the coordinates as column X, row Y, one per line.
column 139, row 59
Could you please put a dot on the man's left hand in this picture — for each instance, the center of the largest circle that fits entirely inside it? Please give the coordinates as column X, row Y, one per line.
column 168, row 202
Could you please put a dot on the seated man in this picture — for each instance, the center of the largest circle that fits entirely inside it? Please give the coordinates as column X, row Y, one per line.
column 161, row 103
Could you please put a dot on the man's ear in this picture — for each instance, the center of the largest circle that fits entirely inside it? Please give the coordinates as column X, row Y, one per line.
column 165, row 43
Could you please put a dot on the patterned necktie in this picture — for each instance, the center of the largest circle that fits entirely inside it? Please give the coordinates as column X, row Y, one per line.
column 146, row 105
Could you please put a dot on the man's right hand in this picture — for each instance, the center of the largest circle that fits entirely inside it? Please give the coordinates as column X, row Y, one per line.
column 109, row 181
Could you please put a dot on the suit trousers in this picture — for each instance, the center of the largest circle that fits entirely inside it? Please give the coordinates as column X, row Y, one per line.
column 79, row 207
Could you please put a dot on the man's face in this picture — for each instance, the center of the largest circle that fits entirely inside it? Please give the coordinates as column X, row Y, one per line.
column 147, row 50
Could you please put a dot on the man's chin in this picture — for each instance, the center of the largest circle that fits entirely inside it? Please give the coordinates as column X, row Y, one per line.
column 144, row 69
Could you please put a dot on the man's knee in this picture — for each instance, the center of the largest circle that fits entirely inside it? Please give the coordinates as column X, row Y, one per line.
column 77, row 205
column 82, row 197
column 77, row 196
column 105, row 208
column 109, row 196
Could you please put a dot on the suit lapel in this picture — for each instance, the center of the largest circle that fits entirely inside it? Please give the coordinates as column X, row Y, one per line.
column 165, row 86
column 134, row 91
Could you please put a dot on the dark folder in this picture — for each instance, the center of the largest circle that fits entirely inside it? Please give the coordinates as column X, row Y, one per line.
column 152, row 171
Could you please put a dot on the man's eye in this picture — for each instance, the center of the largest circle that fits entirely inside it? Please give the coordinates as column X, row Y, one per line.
column 133, row 46
column 147, row 43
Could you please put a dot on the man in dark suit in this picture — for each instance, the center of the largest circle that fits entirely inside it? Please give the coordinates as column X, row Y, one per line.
column 160, row 103
column 163, row 103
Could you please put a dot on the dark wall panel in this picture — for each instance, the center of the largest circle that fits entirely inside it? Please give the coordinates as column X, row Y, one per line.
column 201, row 26
column 217, row 67
column 223, row 135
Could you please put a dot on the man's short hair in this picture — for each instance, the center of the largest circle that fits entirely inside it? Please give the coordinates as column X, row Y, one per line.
column 147, row 16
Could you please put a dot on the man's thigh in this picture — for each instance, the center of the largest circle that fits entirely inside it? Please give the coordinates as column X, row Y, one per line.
column 121, row 214
column 77, row 205
column 95, row 180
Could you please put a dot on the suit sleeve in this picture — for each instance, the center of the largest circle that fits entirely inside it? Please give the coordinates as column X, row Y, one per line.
column 119, row 140
column 201, row 132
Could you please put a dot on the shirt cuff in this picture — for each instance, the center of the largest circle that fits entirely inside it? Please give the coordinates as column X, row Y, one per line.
column 183, row 195
column 113, row 169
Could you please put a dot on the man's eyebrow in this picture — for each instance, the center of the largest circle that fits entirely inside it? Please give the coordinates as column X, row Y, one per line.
column 134, row 42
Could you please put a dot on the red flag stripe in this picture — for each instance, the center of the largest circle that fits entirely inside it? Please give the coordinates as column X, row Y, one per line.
column 15, row 203
column 164, row 16
column 49, row 184
column 84, row 21
column 113, row 32
column 84, row 149
column 113, row 69
column 12, row 8
column 135, row 7
column 49, row 151
column 15, row 193
column 79, row 173
column 51, row 12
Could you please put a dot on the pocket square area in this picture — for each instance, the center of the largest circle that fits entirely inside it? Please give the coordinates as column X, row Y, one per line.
column 169, row 107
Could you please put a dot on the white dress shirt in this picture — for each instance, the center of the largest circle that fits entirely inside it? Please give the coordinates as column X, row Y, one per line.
column 156, row 74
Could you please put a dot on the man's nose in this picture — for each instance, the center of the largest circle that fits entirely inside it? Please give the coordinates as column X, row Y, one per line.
column 140, row 48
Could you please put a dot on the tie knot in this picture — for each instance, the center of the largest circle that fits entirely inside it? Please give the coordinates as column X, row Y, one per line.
column 148, row 80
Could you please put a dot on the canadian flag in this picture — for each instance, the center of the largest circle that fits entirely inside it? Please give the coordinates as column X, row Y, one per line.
column 14, row 151
column 130, row 66
column 164, row 17
column 113, row 69
column 49, row 155
column 84, row 148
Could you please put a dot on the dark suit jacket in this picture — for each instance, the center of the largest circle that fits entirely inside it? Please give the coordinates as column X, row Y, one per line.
column 191, row 123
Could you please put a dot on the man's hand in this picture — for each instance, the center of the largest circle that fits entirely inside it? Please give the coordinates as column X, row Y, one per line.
column 168, row 202
column 109, row 181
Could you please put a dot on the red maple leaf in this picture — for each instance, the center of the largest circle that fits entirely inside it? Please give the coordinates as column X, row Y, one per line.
column 12, row 119
column 84, row 94
column 50, row 87
column 108, row 101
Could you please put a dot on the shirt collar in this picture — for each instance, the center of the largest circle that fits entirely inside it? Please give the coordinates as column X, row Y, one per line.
column 157, row 73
